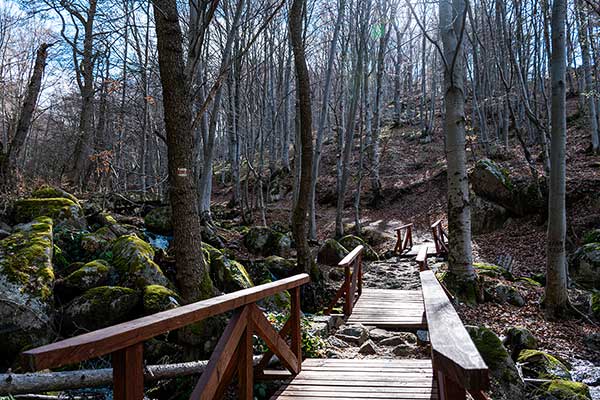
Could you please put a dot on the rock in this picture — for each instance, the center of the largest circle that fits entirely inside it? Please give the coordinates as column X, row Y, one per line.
column 210, row 236
column 134, row 260
column 592, row 341
column 539, row 365
column 563, row 390
column 100, row 307
column 486, row 216
column 495, row 271
column 355, row 334
column 403, row 350
column 26, row 285
column 584, row 267
column 377, row 233
column 508, row 294
column 93, row 274
column 377, row 335
column 280, row 267
column 228, row 275
column 349, row 242
column 157, row 298
column 331, row 252
column 592, row 236
column 98, row 242
column 158, row 220
column 518, row 338
column 506, row 381
column 59, row 209
column 266, row 241
column 368, row 348
column 337, row 342
column 48, row 192
column 404, row 338
column 595, row 305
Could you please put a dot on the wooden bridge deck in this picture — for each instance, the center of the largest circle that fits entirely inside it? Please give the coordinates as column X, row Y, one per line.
column 323, row 379
column 389, row 308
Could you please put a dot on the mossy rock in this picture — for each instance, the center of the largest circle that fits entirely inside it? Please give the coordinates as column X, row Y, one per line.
column 159, row 220
column 265, row 241
column 49, row 192
column 529, row 281
column 492, row 270
column 350, row 242
column 331, row 253
column 490, row 180
column 539, row 365
column 98, row 242
column 229, row 275
column 280, row 267
column 519, row 338
column 68, row 238
column 26, row 285
column 101, row 307
column 508, row 294
column 505, row 376
column 158, row 298
column 58, row 208
column 559, row 389
column 595, row 305
column 134, row 260
column 93, row 274
column 468, row 290
column 486, row 216
column 592, row 236
column 261, row 275
column 584, row 267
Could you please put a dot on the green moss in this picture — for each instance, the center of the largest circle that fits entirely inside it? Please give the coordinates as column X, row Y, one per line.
column 540, row 365
column 529, row 281
column 501, row 173
column 90, row 275
column 595, row 303
column 134, row 260
column 592, row 236
column 492, row 270
column 46, row 192
column 56, row 208
column 565, row 390
column 158, row 298
column 159, row 220
column 467, row 290
column 489, row 345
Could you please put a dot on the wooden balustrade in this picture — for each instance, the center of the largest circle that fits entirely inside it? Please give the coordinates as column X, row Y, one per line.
column 440, row 238
column 352, row 287
column 404, row 241
column 456, row 361
column 233, row 353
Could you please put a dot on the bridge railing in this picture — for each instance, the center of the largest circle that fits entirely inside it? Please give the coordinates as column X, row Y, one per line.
column 404, row 238
column 440, row 237
column 351, row 289
column 233, row 352
column 456, row 361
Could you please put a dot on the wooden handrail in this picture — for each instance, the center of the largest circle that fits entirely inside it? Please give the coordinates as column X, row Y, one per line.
column 440, row 237
column 125, row 342
column 403, row 242
column 352, row 287
column 456, row 360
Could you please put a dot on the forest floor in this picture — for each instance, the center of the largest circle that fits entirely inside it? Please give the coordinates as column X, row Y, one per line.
column 414, row 188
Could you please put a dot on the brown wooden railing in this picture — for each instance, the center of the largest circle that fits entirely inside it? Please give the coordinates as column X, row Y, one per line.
column 440, row 238
column 233, row 353
column 456, row 361
column 352, row 287
column 404, row 241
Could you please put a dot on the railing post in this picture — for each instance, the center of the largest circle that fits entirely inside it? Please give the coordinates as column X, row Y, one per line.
column 245, row 366
column 348, row 293
column 295, row 326
column 128, row 373
column 360, row 274
column 450, row 390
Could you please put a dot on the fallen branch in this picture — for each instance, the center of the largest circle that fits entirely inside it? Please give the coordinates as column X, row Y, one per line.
column 39, row 382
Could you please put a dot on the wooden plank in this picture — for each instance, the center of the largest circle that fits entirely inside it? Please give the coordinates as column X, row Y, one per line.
column 116, row 337
column 273, row 340
column 295, row 326
column 245, row 366
column 422, row 258
column 128, row 373
column 349, row 259
column 452, row 348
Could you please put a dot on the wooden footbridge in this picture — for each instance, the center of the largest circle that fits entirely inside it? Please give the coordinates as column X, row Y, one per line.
column 455, row 366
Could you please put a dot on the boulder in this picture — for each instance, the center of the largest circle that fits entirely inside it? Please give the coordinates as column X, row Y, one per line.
column 559, row 389
column 280, row 267
column 350, row 242
column 98, row 242
column 486, row 216
column 368, row 348
column 518, row 338
column 494, row 271
column 93, row 274
column 508, row 294
column 400, row 338
column 26, row 285
column 58, row 208
column 506, row 382
column 331, row 252
column 539, row 365
column 50, row 192
column 355, row 334
column 158, row 220
column 157, row 298
column 265, row 241
column 592, row 236
column 211, row 237
column 584, row 267
column 101, row 307
column 228, row 275
column 134, row 260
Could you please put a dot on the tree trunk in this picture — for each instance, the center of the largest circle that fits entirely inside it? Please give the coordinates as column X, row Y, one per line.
column 193, row 279
column 556, row 299
column 299, row 215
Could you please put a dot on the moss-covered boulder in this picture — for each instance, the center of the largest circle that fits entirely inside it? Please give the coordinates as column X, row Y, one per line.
column 98, row 242
column 539, row 365
column 506, row 381
column 50, row 192
column 158, row 220
column 57, row 208
column 584, row 267
column 507, row 294
column 486, row 216
column 595, row 305
column 93, row 274
column 331, row 252
column 229, row 275
column 157, row 298
column 559, row 389
column 265, row 241
column 26, row 286
column 494, row 271
column 280, row 267
column 100, row 307
column 134, row 260
column 349, row 242
column 592, row 236
column 518, row 338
